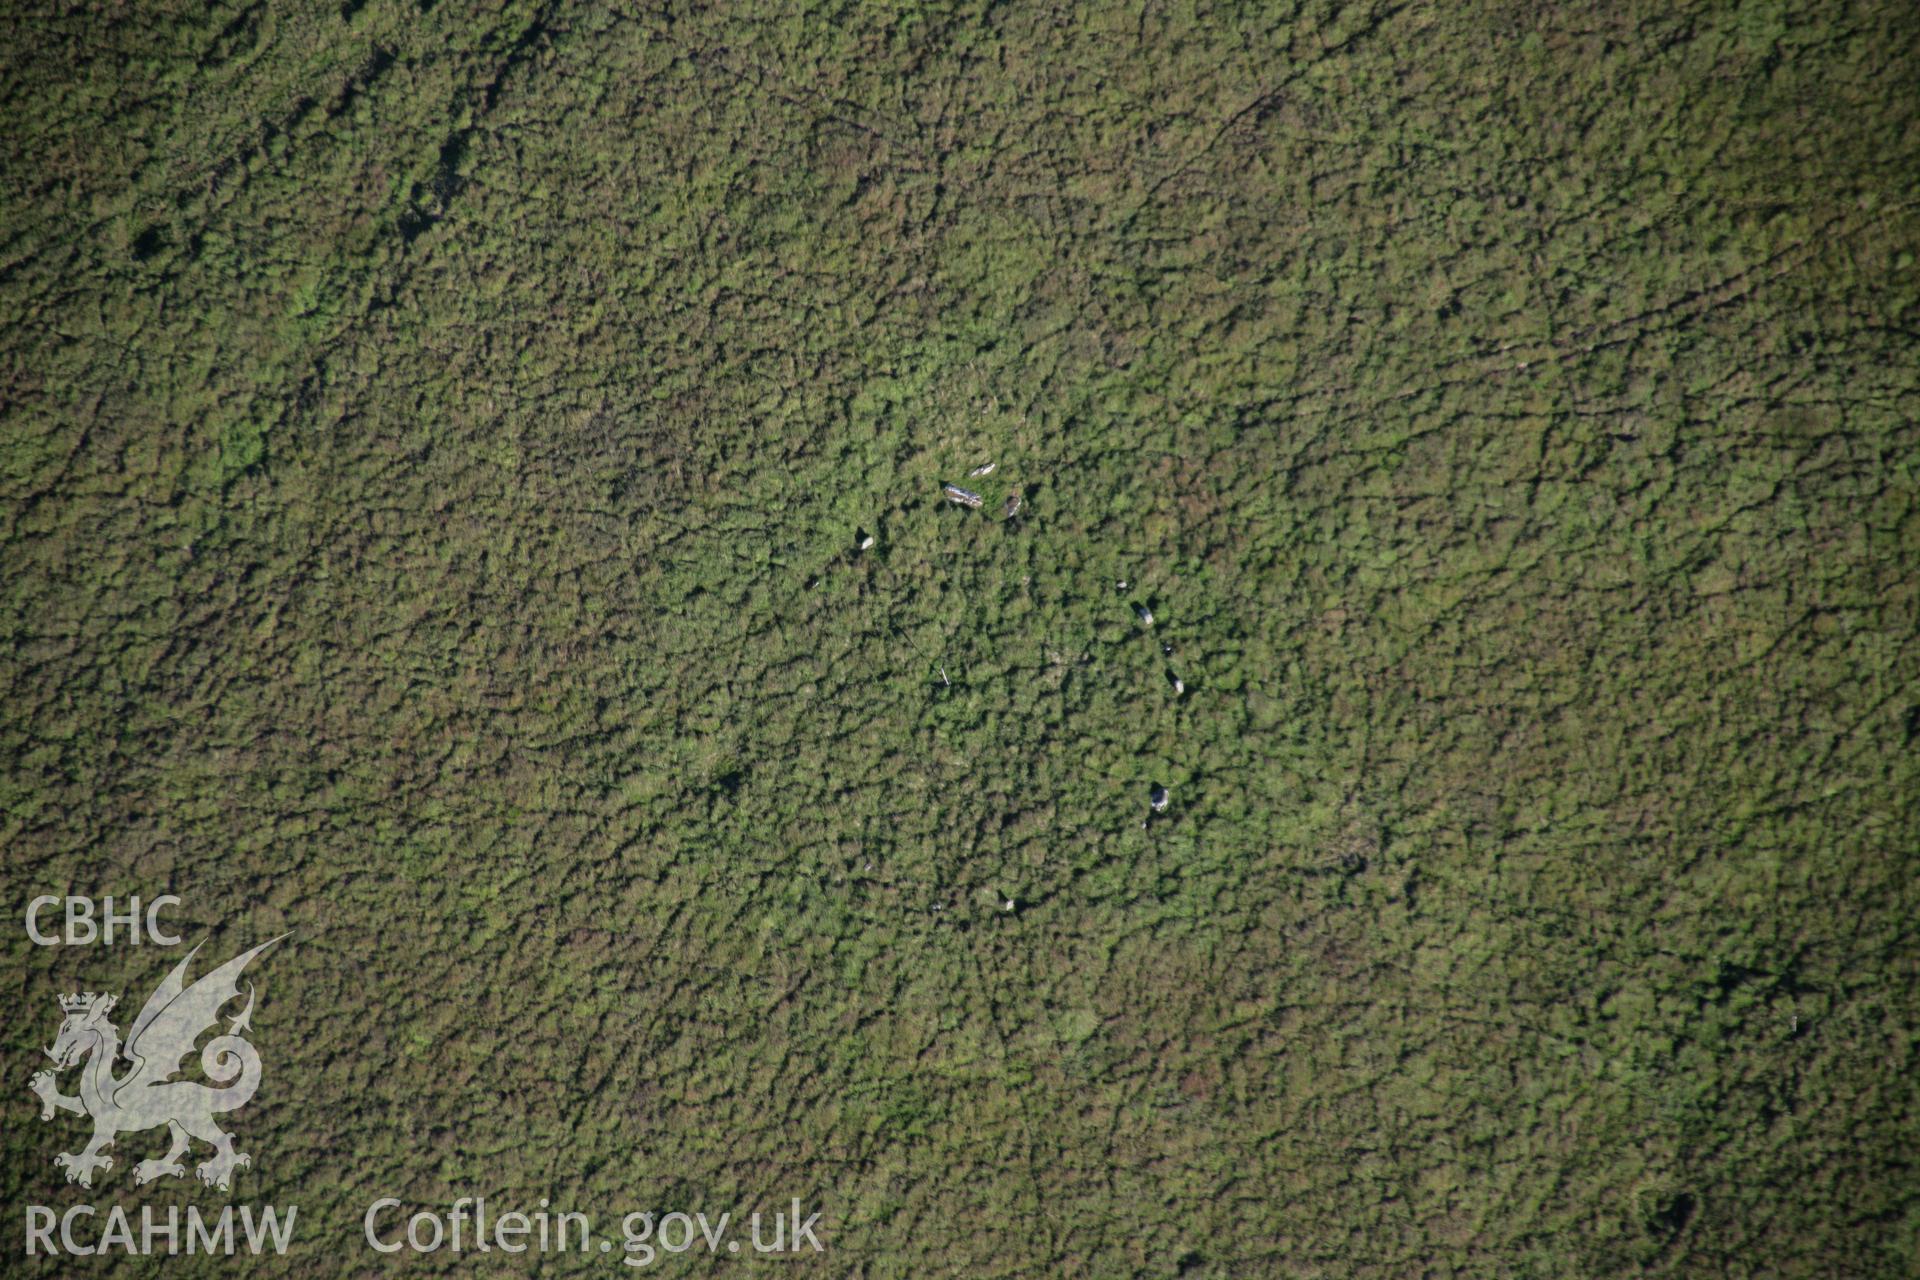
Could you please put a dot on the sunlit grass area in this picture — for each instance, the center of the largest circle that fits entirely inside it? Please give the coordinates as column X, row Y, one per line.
column 439, row 448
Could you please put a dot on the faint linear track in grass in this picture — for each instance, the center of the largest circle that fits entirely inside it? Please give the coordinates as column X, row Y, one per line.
column 1260, row 103
column 1677, row 313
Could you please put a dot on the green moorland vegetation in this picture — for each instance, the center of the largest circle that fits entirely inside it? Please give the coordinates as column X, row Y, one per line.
column 435, row 443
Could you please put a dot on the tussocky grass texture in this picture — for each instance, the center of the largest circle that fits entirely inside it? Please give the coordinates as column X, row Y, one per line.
column 435, row 441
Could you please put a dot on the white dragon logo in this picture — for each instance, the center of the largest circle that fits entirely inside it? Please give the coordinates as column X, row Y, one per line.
column 174, row 1017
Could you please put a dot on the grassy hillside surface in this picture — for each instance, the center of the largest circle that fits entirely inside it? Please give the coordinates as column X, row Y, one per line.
column 435, row 441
